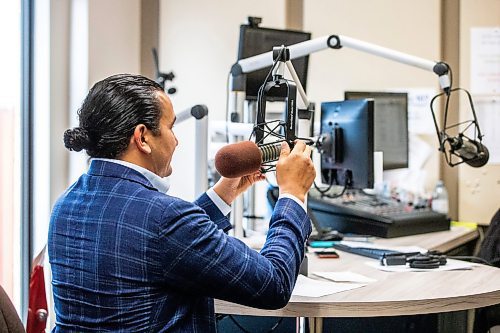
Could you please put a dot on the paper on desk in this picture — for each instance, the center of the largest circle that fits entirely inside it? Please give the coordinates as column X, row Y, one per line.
column 346, row 276
column 315, row 288
column 451, row 265
column 404, row 249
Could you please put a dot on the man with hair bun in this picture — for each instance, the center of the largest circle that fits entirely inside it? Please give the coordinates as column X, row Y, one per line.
column 126, row 256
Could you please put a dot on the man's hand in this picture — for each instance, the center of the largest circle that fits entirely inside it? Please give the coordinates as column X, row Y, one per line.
column 295, row 170
column 229, row 188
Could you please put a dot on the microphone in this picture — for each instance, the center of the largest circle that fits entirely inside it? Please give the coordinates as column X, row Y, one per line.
column 471, row 152
column 243, row 158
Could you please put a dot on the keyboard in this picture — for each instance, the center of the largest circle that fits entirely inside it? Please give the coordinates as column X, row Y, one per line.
column 371, row 215
column 363, row 251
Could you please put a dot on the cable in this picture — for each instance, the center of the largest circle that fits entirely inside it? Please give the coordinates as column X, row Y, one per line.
column 324, row 192
column 227, row 106
column 338, row 195
column 259, row 96
column 238, row 324
column 272, row 329
column 220, row 316
column 472, row 258
column 468, row 258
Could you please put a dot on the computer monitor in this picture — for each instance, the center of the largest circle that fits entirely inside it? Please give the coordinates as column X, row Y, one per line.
column 390, row 126
column 347, row 149
column 255, row 40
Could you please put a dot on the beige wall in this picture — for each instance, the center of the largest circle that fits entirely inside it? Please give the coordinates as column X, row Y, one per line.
column 479, row 189
column 114, row 38
column 198, row 41
column 410, row 27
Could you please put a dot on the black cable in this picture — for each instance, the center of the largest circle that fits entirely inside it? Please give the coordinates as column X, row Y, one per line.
column 338, row 195
column 220, row 316
column 272, row 329
column 468, row 258
column 471, row 258
column 238, row 324
column 324, row 192
column 261, row 90
column 227, row 106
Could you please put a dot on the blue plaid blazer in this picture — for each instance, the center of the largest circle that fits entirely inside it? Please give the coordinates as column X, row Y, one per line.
column 126, row 257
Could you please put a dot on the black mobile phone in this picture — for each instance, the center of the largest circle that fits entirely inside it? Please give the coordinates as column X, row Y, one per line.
column 327, row 254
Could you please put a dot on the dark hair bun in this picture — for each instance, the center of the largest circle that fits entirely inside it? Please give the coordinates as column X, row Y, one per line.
column 76, row 139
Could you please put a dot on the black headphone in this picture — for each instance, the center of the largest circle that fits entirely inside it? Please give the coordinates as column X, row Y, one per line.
column 428, row 260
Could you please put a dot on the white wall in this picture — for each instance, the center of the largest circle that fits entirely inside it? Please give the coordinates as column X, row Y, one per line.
column 199, row 42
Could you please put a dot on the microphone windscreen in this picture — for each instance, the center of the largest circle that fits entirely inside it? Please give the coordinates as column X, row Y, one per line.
column 238, row 159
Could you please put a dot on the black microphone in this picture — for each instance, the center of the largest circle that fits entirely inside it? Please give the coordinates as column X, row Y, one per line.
column 471, row 152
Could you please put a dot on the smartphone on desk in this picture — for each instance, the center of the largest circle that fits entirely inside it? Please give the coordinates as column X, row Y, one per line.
column 327, row 254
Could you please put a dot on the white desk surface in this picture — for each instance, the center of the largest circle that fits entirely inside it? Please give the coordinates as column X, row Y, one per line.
column 394, row 294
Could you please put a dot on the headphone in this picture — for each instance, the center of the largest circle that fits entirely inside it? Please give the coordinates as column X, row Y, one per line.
column 429, row 260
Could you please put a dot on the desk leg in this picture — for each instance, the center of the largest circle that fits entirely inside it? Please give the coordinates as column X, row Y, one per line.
column 316, row 325
column 300, row 325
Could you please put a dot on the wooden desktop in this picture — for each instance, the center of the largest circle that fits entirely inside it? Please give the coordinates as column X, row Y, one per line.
column 393, row 294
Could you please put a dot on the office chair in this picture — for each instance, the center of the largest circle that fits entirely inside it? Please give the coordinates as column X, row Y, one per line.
column 488, row 317
column 9, row 319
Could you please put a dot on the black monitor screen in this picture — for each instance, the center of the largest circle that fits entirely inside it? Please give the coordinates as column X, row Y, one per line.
column 347, row 157
column 390, row 126
column 256, row 40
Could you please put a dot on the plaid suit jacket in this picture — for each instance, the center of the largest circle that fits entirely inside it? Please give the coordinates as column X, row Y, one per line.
column 126, row 257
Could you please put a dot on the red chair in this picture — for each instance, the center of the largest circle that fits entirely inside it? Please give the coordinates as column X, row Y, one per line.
column 38, row 309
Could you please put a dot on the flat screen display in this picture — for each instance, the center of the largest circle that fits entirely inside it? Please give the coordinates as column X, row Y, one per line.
column 390, row 128
column 256, row 40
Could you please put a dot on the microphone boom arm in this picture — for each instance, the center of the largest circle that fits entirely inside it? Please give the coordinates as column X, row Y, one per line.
column 441, row 69
column 301, row 49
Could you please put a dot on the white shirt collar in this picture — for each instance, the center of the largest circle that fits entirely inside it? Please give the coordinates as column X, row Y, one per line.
column 161, row 184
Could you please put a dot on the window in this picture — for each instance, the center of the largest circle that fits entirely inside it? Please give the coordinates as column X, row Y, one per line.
column 10, row 148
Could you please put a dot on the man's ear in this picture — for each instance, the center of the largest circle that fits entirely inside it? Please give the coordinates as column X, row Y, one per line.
column 139, row 138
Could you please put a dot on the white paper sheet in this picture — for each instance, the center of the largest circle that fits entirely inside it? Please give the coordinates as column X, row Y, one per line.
column 451, row 265
column 315, row 288
column 404, row 249
column 485, row 60
column 346, row 276
column 488, row 116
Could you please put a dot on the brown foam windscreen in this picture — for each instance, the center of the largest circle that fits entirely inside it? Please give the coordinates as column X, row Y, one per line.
column 238, row 159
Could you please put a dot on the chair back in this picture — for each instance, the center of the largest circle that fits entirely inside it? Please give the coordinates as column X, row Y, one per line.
column 9, row 319
column 490, row 247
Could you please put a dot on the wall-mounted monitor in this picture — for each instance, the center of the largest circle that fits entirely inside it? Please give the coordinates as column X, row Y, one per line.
column 390, row 127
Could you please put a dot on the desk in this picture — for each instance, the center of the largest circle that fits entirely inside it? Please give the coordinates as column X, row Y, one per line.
column 393, row 294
